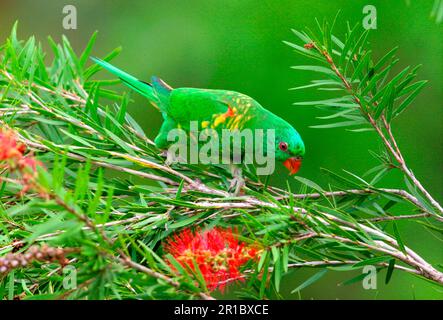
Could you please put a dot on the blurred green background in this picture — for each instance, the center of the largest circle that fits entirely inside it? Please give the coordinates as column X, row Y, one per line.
column 238, row 45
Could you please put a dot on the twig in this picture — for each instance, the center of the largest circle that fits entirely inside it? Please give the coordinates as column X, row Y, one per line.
column 321, row 263
column 393, row 148
column 411, row 258
column 400, row 217
column 128, row 262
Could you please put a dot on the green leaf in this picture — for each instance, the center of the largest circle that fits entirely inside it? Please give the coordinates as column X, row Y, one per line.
column 179, row 190
column 355, row 279
column 264, row 276
column 372, row 261
column 121, row 143
column 343, row 180
column 277, row 273
column 303, row 37
column 262, row 260
column 186, row 221
column 377, row 78
column 77, row 138
column 359, row 45
column 309, row 183
column 11, row 278
column 302, row 50
column 315, row 69
column 177, row 265
column 385, row 58
column 285, row 259
column 310, row 281
column 199, row 276
column 317, row 84
column 338, row 42
column 326, row 102
column 362, row 65
column 86, row 53
column 398, row 238
column 390, row 271
column 387, row 101
column 339, row 124
column 345, row 54
column 417, row 88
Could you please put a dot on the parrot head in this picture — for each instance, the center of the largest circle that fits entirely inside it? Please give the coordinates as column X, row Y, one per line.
column 289, row 148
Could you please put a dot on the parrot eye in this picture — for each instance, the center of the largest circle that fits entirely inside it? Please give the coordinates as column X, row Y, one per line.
column 283, row 146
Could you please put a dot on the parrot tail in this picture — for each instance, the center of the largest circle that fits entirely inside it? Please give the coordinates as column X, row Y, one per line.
column 157, row 92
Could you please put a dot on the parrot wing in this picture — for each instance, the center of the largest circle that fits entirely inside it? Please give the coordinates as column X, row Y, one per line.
column 218, row 109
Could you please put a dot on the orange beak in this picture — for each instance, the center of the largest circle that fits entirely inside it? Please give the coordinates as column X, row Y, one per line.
column 293, row 164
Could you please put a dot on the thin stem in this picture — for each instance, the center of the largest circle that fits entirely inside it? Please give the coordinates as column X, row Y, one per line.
column 393, row 148
column 400, row 217
column 389, row 247
column 128, row 262
column 320, row 263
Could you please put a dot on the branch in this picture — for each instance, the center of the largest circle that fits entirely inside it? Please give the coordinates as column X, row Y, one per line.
column 387, row 245
column 128, row 262
column 401, row 217
column 392, row 148
column 321, row 263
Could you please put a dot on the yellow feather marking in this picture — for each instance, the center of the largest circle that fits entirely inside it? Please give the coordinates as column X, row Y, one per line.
column 205, row 124
column 237, row 121
column 219, row 120
column 234, row 122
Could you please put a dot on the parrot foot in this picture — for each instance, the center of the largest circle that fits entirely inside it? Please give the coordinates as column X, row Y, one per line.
column 236, row 186
column 171, row 158
column 237, row 182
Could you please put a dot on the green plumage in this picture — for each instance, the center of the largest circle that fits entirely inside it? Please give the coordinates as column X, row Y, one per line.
column 216, row 109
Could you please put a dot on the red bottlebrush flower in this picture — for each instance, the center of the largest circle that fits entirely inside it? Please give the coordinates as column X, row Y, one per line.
column 29, row 164
column 12, row 152
column 28, row 168
column 9, row 147
column 217, row 253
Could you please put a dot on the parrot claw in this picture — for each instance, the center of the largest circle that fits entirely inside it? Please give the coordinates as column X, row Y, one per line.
column 235, row 188
column 237, row 182
column 171, row 158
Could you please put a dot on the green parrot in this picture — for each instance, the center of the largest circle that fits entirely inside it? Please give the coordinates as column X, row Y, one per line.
column 218, row 110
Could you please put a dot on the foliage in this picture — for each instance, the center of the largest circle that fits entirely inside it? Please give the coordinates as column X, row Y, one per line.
column 437, row 11
column 111, row 202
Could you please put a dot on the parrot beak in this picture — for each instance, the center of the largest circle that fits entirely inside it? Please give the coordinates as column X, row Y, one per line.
column 293, row 164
